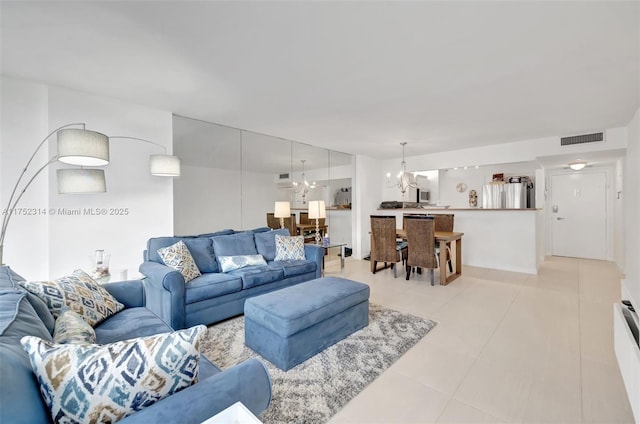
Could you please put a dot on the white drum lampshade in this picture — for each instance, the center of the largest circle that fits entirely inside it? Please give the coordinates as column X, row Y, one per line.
column 79, row 181
column 317, row 209
column 83, row 147
column 165, row 165
column 282, row 210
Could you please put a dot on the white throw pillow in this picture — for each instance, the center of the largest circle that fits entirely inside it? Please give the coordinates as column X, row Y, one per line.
column 229, row 263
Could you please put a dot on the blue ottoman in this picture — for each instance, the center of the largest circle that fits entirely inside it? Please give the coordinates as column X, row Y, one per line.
column 291, row 325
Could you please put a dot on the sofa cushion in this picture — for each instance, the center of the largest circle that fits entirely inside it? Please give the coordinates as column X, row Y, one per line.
column 293, row 268
column 43, row 311
column 266, row 242
column 129, row 324
column 178, row 257
column 259, row 230
column 234, row 244
column 258, row 275
column 200, row 248
column 71, row 328
column 21, row 400
column 79, row 292
column 289, row 248
column 107, row 383
column 225, row 232
column 229, row 263
column 211, row 285
column 8, row 278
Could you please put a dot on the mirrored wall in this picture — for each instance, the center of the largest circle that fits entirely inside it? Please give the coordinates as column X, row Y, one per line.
column 231, row 178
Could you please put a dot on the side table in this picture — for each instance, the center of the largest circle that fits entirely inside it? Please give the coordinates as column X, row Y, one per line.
column 342, row 247
column 235, row 414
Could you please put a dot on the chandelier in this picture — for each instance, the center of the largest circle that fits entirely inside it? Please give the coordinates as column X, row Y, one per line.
column 303, row 186
column 405, row 180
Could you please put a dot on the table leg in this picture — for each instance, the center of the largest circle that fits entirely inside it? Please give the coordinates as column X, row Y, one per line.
column 459, row 256
column 342, row 252
column 443, row 262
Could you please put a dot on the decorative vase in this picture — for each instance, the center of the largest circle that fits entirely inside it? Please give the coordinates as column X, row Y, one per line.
column 100, row 266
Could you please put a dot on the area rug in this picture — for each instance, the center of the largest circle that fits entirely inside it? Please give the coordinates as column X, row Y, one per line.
column 315, row 390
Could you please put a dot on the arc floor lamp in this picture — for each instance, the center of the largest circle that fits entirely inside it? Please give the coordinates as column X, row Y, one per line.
column 82, row 147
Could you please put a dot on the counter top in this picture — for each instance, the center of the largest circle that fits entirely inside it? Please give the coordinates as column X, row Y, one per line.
column 443, row 209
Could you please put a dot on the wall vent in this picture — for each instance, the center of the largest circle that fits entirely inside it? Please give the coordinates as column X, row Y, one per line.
column 284, row 176
column 581, row 139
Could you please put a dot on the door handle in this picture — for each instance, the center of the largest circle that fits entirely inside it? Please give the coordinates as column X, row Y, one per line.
column 559, row 218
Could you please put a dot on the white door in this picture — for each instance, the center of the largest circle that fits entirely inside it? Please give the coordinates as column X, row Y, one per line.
column 579, row 215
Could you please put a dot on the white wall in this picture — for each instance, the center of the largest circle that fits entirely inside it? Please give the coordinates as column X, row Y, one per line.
column 72, row 239
column 631, row 195
column 146, row 200
column 518, row 151
column 24, row 123
column 366, row 199
column 618, row 215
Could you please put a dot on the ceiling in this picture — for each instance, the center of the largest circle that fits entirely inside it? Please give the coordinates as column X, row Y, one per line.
column 357, row 77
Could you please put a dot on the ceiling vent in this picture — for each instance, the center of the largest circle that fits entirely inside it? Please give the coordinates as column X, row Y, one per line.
column 284, row 176
column 581, row 139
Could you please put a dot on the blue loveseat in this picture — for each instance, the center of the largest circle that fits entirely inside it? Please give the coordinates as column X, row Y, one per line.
column 24, row 314
column 216, row 295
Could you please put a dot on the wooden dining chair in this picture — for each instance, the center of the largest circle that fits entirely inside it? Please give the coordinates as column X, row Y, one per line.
column 384, row 247
column 289, row 223
column 421, row 251
column 404, row 215
column 272, row 221
column 444, row 222
column 304, row 218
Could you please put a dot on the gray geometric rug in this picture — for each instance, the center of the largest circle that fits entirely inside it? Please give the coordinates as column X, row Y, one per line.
column 315, row 390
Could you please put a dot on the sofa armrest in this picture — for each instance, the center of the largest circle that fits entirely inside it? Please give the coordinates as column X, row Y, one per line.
column 164, row 291
column 130, row 293
column 247, row 382
column 315, row 253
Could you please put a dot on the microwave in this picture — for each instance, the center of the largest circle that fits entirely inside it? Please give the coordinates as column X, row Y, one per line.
column 423, row 196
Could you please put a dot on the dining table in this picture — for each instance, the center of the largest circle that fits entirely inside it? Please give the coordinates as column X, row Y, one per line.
column 442, row 238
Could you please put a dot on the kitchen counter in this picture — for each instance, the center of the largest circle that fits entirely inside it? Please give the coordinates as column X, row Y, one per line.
column 498, row 239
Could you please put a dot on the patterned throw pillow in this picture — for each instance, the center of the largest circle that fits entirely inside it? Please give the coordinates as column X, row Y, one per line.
column 178, row 257
column 71, row 328
column 289, row 248
column 79, row 292
column 229, row 263
column 100, row 384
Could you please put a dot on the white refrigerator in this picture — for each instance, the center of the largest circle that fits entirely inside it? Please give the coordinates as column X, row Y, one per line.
column 506, row 195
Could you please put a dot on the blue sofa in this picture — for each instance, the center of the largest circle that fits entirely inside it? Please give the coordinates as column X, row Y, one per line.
column 216, row 295
column 24, row 314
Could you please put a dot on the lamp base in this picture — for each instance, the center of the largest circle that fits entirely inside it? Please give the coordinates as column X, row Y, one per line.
column 281, row 222
column 318, row 238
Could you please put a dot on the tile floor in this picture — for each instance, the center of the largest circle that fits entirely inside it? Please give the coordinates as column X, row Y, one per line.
column 508, row 348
